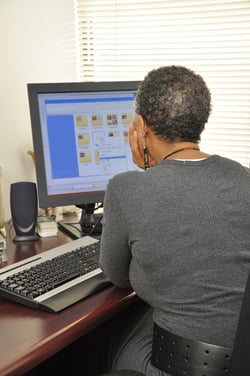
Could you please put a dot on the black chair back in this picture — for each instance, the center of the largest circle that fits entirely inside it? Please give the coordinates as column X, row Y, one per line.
column 240, row 359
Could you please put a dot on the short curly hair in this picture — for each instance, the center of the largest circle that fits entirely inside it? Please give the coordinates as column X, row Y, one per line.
column 175, row 103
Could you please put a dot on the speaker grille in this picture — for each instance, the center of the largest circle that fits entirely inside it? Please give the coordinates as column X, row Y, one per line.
column 24, row 209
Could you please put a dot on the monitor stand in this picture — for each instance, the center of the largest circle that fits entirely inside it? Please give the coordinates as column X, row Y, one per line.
column 89, row 223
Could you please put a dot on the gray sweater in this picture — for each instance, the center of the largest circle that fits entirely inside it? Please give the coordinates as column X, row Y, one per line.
column 179, row 234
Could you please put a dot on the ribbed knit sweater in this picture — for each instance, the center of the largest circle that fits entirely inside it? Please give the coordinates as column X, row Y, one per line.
column 179, row 234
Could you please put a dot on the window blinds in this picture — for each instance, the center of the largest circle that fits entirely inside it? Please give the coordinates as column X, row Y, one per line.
column 124, row 39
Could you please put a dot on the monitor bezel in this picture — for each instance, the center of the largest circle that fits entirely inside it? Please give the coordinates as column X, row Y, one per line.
column 34, row 89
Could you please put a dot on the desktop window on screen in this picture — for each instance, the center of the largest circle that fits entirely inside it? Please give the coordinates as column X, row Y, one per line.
column 85, row 139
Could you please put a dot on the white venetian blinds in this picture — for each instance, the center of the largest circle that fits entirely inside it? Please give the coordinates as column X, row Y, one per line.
column 124, row 39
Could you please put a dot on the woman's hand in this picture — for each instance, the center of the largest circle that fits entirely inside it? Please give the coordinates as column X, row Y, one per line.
column 136, row 149
column 137, row 154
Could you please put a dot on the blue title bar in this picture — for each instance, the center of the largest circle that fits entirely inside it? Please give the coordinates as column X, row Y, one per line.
column 89, row 100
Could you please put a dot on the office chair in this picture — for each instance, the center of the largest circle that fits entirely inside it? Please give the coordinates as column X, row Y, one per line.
column 240, row 359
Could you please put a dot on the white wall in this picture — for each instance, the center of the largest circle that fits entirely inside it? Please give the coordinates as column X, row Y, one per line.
column 37, row 45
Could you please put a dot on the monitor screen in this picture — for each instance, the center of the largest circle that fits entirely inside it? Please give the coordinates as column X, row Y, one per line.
column 80, row 139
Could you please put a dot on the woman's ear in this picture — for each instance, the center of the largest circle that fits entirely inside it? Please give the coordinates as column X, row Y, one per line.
column 142, row 126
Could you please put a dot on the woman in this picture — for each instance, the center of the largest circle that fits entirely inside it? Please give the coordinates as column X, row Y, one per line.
column 178, row 232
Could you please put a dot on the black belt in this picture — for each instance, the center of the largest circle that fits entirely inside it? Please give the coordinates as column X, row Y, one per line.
column 180, row 356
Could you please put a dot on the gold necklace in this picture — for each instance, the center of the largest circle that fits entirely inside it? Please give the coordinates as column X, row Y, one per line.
column 177, row 151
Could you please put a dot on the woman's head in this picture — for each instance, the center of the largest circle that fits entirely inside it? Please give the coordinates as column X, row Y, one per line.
column 174, row 102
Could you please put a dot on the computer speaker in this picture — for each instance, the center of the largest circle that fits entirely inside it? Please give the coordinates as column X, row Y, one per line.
column 24, row 210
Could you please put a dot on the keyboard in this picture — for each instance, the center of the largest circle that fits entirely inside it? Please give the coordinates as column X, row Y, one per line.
column 57, row 278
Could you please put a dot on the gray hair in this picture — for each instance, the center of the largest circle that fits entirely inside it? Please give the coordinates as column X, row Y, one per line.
column 174, row 102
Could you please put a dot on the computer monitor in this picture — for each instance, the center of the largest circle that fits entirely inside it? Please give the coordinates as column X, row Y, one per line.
column 80, row 140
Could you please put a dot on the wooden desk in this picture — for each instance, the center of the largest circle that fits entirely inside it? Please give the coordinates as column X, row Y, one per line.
column 28, row 336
